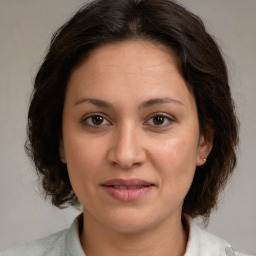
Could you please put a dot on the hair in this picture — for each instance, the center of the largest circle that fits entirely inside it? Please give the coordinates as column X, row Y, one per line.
column 202, row 66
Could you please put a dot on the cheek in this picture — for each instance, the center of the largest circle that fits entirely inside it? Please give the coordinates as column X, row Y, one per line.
column 176, row 164
column 83, row 158
column 83, row 163
column 175, row 153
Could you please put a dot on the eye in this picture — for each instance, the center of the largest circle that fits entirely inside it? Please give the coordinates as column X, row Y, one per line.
column 95, row 120
column 160, row 119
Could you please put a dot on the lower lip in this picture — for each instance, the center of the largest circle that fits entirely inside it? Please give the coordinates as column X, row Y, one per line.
column 127, row 194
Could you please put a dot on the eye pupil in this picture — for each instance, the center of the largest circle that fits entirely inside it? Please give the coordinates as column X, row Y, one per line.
column 158, row 120
column 97, row 120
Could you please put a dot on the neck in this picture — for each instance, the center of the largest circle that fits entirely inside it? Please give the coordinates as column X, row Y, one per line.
column 168, row 238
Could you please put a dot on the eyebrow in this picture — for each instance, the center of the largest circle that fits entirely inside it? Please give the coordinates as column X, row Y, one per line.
column 156, row 101
column 144, row 104
column 96, row 102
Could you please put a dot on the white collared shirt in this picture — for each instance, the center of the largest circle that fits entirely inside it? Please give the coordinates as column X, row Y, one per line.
column 67, row 243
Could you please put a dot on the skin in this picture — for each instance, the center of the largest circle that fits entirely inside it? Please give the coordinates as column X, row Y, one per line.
column 129, row 142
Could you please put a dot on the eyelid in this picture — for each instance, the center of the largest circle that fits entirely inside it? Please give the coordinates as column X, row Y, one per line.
column 167, row 116
column 84, row 118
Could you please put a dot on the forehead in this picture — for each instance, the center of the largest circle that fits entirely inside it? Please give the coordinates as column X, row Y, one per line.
column 130, row 51
column 132, row 68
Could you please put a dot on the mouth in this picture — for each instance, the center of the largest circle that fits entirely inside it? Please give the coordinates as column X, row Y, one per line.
column 127, row 190
column 124, row 187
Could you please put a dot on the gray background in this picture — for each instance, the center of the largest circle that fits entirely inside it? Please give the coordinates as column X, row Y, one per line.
column 25, row 30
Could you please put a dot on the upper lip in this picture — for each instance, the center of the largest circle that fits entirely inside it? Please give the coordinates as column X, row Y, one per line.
column 127, row 183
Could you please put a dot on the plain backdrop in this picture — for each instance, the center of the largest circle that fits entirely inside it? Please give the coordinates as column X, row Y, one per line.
column 26, row 27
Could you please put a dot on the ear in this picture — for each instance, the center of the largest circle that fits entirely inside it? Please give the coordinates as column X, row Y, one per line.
column 62, row 152
column 205, row 145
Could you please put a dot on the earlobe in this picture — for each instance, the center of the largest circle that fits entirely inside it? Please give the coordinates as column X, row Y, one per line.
column 205, row 146
column 62, row 152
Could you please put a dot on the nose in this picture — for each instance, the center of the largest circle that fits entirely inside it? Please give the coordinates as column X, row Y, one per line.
column 126, row 150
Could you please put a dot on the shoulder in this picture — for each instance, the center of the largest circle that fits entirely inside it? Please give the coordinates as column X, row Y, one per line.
column 203, row 243
column 51, row 246
column 63, row 243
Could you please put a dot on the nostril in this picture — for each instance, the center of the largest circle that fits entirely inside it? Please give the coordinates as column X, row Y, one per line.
column 126, row 157
column 125, row 165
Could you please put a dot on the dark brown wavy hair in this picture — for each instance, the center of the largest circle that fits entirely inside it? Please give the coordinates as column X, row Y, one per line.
column 202, row 66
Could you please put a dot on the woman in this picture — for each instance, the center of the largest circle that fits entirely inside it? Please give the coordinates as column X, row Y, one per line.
column 132, row 118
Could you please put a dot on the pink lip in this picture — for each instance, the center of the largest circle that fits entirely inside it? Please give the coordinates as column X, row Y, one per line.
column 136, row 188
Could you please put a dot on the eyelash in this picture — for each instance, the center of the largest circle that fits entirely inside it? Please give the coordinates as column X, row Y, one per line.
column 90, row 116
column 166, row 117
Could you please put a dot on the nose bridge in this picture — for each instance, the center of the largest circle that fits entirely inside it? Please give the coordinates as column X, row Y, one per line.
column 127, row 139
column 127, row 147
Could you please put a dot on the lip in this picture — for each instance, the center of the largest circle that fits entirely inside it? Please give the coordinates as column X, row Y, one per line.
column 127, row 190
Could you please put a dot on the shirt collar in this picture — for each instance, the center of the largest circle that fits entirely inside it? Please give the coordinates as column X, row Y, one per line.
column 72, row 240
column 200, row 242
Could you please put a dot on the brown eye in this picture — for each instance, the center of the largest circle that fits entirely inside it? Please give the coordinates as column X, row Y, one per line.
column 96, row 120
column 158, row 120
column 162, row 120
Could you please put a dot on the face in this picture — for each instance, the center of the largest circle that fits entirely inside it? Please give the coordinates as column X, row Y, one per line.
column 131, row 136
